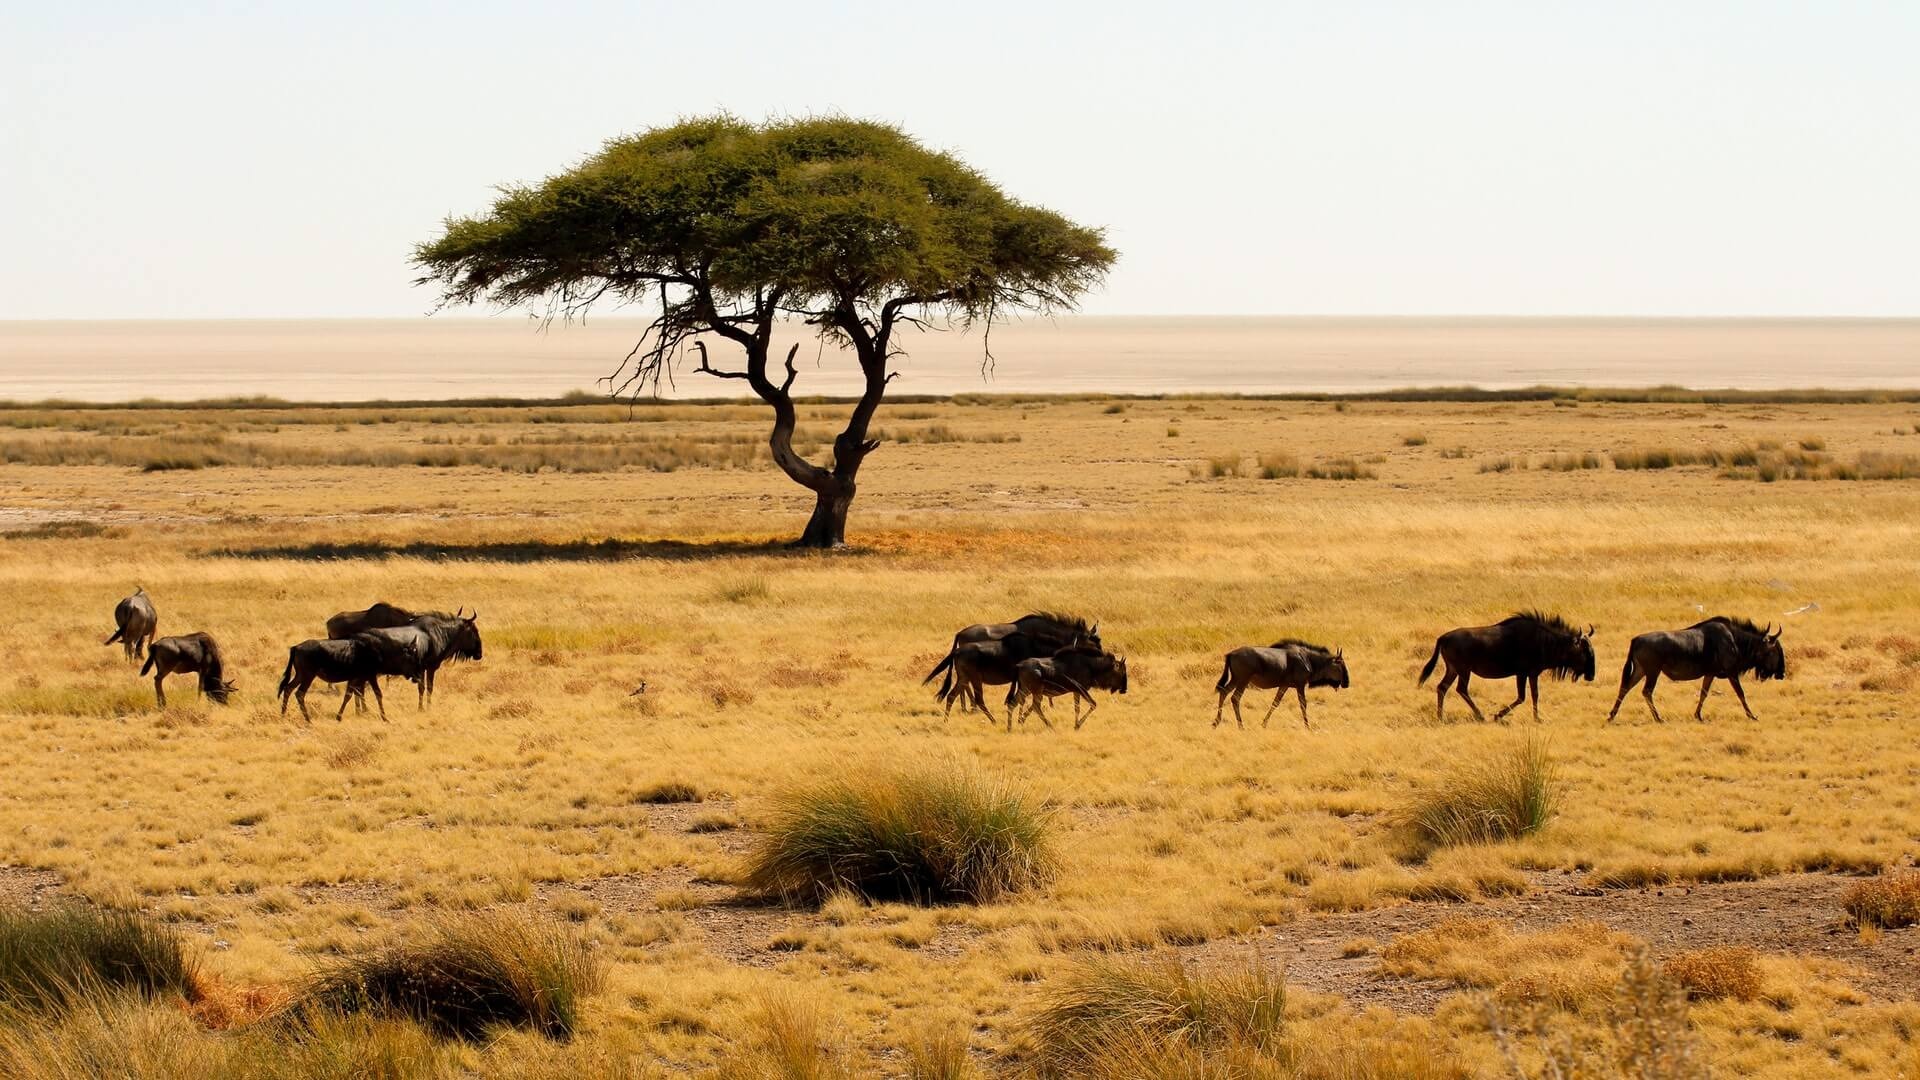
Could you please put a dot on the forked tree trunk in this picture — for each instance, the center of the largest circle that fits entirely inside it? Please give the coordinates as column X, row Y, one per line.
column 827, row 528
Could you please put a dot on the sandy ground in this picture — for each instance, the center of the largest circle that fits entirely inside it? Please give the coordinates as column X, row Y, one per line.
column 328, row 360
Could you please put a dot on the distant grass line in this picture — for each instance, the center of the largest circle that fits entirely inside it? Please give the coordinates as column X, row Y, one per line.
column 525, row 454
column 579, row 399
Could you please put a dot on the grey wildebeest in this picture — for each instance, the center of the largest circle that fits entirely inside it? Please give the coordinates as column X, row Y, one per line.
column 354, row 661
column 1518, row 647
column 1716, row 648
column 188, row 654
column 1073, row 670
column 1041, row 633
column 378, row 617
column 417, row 650
column 1287, row 664
column 134, row 622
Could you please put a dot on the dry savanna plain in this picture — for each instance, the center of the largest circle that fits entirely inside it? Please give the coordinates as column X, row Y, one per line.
column 1689, row 897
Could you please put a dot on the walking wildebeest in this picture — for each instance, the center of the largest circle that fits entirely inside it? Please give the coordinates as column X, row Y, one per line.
column 1716, row 648
column 188, row 653
column 1518, row 647
column 975, row 664
column 416, row 650
column 354, row 661
column 1042, row 633
column 135, row 622
column 378, row 617
column 1287, row 664
column 1073, row 670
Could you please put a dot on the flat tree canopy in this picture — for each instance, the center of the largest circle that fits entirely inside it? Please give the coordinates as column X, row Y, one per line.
column 725, row 229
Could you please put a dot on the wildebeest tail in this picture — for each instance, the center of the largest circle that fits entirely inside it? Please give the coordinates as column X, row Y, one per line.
column 117, row 635
column 945, row 663
column 1432, row 662
column 148, row 666
column 286, row 677
column 1226, row 676
column 1627, row 670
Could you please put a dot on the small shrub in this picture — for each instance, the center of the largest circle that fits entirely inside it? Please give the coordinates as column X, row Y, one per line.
column 1115, row 408
column 668, row 791
column 787, row 1038
column 1278, row 466
column 928, row 835
column 1504, row 797
column 745, row 591
column 1572, row 462
column 1415, row 439
column 937, row 1050
column 466, row 975
column 1498, row 465
column 1813, row 444
column 1456, row 452
column 1889, row 901
column 1223, row 467
column 1115, row 1006
column 1717, row 972
column 1341, row 469
column 1172, row 432
column 47, row 958
column 1645, row 1032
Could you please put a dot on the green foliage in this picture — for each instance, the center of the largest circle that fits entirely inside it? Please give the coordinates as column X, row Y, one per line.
column 932, row 835
column 49, row 958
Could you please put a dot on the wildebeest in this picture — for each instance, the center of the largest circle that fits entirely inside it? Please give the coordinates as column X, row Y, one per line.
column 378, row 617
column 1041, row 633
column 1073, row 670
column 134, row 622
column 975, row 664
column 1716, row 648
column 354, row 661
column 1287, row 664
column 188, row 653
column 417, row 650
column 1518, row 647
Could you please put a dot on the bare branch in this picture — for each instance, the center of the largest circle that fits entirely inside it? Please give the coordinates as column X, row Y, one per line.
column 792, row 372
column 706, row 369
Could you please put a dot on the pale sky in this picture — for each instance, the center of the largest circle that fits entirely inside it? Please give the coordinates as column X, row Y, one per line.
column 1673, row 158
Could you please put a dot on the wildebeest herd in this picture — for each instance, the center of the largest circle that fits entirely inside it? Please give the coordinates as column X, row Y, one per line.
column 1038, row 657
column 360, row 648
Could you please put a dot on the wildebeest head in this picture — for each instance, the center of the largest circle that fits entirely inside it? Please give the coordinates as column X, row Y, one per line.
column 1334, row 672
column 1768, row 658
column 218, row 690
column 1117, row 675
column 1579, row 657
column 466, row 636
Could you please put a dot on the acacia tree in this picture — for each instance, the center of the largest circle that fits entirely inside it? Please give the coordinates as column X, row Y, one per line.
column 728, row 231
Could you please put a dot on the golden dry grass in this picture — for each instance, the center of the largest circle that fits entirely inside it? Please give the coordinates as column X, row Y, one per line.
column 540, row 780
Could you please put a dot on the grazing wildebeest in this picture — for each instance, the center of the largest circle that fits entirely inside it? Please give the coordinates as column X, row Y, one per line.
column 1518, row 647
column 378, row 617
column 416, row 650
column 1073, row 670
column 1716, row 648
column 354, row 661
column 1287, row 664
column 1042, row 633
column 134, row 622
column 188, row 653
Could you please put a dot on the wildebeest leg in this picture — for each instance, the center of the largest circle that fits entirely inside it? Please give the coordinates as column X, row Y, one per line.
column 1301, row 693
column 1533, row 685
column 378, row 700
column 300, row 695
column 1647, row 692
column 1219, row 707
column 1520, row 682
column 352, row 689
column 1461, row 689
column 1706, row 684
column 159, row 694
column 1239, row 721
column 1440, row 703
column 1629, row 675
column 1278, row 696
column 1741, row 694
column 1091, row 705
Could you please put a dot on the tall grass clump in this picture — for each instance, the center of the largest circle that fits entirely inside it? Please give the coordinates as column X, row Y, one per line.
column 49, row 958
column 1572, row 462
column 464, row 976
column 1132, row 1016
column 1889, row 901
column 1341, row 469
column 1644, row 1031
column 1503, row 796
column 1415, row 439
column 932, row 835
column 788, row 1038
column 1279, row 466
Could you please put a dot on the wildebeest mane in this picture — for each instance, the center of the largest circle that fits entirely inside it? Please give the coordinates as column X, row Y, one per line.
column 1546, row 621
column 1296, row 643
column 1072, row 622
column 1546, row 640
column 1745, row 626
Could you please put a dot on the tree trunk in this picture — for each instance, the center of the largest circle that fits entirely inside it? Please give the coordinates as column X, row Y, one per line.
column 827, row 528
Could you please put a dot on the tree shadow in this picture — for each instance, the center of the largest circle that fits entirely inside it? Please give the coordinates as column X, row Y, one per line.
column 519, row 551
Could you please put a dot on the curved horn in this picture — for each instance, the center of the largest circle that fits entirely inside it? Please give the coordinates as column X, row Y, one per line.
column 475, row 615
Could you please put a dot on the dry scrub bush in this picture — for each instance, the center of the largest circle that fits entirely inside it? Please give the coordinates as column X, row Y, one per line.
column 666, row 792
column 1888, row 901
column 943, row 834
column 1722, row 971
column 788, row 1038
column 1571, row 966
column 1155, row 1016
column 1645, row 1034
column 936, row 1049
column 1344, row 468
column 466, row 975
column 1279, row 466
column 50, row 958
column 1506, row 796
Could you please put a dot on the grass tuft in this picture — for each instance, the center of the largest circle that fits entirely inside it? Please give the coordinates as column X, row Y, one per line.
column 1278, row 466
column 1889, row 901
column 1114, row 1009
column 1344, row 468
column 667, row 792
column 48, row 958
column 930, row 836
column 1503, row 797
column 465, row 976
column 1722, row 971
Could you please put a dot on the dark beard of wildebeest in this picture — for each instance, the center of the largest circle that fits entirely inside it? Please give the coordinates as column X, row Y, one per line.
column 189, row 653
column 380, row 616
column 1287, row 664
column 355, row 661
column 1073, row 670
column 1518, row 647
column 135, row 622
column 1716, row 648
column 416, row 651
column 1042, row 633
